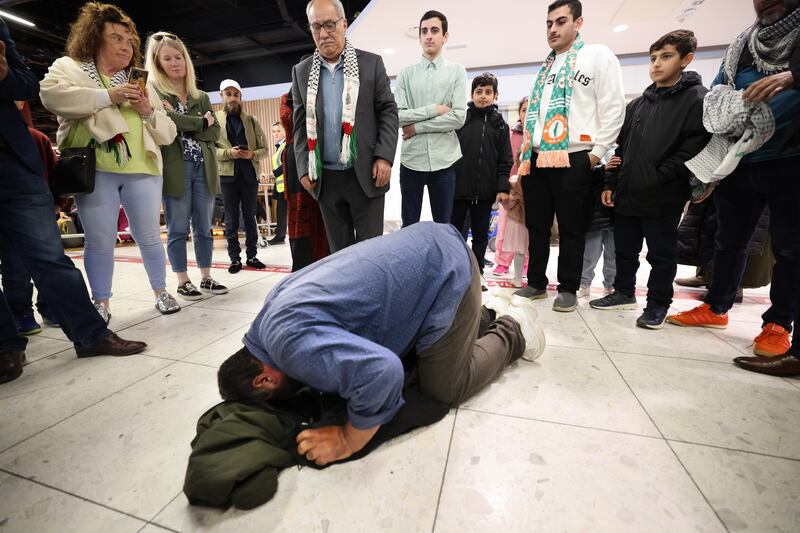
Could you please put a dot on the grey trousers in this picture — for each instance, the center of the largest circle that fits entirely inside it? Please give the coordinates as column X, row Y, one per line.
column 460, row 364
column 350, row 216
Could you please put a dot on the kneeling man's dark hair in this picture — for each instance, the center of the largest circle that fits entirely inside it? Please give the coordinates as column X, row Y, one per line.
column 235, row 378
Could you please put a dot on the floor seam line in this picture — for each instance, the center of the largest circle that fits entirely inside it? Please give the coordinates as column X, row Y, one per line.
column 444, row 471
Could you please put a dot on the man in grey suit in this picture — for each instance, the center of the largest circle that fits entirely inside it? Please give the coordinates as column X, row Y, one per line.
column 345, row 128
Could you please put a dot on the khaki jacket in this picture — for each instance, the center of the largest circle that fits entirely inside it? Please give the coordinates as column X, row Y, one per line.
column 256, row 141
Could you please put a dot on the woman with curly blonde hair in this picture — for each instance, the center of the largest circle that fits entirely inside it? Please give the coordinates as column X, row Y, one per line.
column 191, row 176
column 90, row 92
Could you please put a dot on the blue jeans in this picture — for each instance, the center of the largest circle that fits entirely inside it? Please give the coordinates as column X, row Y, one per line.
column 599, row 243
column 18, row 288
column 196, row 204
column 740, row 200
column 441, row 190
column 140, row 195
column 26, row 206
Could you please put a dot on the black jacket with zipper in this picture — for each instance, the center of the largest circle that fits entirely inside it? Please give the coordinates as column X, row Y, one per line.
column 485, row 141
column 663, row 129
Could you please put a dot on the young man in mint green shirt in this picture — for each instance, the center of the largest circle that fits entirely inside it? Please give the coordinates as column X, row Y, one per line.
column 431, row 100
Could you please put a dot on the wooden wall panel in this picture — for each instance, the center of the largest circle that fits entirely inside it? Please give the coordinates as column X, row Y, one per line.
column 267, row 112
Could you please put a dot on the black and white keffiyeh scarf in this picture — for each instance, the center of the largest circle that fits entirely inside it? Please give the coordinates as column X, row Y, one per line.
column 770, row 46
column 349, row 100
column 117, row 144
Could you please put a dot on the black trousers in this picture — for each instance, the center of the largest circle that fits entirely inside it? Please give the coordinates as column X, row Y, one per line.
column 350, row 216
column 661, row 235
column 480, row 213
column 280, row 201
column 740, row 200
column 244, row 193
column 567, row 194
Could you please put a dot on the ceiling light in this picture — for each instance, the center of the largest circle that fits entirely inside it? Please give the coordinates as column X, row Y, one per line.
column 388, row 51
column 15, row 18
column 620, row 28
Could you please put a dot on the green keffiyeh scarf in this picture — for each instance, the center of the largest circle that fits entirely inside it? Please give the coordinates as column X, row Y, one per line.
column 555, row 133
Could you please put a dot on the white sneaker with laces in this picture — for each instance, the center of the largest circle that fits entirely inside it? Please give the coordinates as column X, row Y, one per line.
column 585, row 291
column 166, row 304
column 525, row 315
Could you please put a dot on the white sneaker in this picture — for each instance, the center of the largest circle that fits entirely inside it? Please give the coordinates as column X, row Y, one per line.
column 584, row 292
column 607, row 290
column 497, row 304
column 533, row 332
column 103, row 311
column 516, row 283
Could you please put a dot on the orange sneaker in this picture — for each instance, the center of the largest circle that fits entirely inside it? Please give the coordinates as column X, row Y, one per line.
column 773, row 341
column 701, row 316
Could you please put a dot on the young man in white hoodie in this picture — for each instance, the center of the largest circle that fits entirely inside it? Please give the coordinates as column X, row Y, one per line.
column 575, row 112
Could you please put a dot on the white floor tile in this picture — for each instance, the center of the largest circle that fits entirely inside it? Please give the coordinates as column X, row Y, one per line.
column 716, row 404
column 749, row 492
column 128, row 452
column 394, row 489
column 27, row 507
column 40, row 346
column 570, row 386
column 215, row 353
column 59, row 386
column 248, row 298
column 508, row 474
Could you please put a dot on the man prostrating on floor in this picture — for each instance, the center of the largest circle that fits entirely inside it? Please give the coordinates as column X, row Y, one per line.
column 343, row 325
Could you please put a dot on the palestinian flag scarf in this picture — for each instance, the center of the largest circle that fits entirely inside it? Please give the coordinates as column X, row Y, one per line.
column 555, row 133
column 349, row 99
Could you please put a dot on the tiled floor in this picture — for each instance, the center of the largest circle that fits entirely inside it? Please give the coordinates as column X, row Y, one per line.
column 613, row 429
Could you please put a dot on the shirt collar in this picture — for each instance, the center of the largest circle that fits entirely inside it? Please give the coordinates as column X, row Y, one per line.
column 324, row 62
column 437, row 63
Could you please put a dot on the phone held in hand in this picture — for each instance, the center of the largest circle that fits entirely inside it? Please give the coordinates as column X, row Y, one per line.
column 138, row 76
column 242, row 147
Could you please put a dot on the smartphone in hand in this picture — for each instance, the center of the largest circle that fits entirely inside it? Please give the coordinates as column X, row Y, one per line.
column 242, row 147
column 138, row 76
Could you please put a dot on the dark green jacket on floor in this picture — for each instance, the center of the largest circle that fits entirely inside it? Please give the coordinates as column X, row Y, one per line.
column 240, row 449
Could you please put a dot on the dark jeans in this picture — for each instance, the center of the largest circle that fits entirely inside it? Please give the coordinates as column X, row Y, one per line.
column 661, row 235
column 280, row 201
column 567, row 193
column 18, row 288
column 441, row 188
column 740, row 200
column 245, row 193
column 28, row 230
column 350, row 216
column 480, row 213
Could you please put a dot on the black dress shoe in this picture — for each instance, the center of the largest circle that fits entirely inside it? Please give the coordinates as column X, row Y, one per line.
column 11, row 365
column 235, row 267
column 255, row 262
column 784, row 365
column 277, row 241
column 112, row 344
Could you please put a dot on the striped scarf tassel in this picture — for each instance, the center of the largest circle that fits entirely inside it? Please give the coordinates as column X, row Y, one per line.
column 349, row 145
column 314, row 160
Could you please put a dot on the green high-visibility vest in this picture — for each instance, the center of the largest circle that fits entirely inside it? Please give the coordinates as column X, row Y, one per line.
column 276, row 164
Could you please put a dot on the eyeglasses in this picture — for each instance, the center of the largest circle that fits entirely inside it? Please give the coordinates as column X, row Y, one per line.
column 329, row 25
column 162, row 34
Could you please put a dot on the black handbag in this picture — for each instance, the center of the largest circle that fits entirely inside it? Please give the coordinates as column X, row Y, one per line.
column 74, row 172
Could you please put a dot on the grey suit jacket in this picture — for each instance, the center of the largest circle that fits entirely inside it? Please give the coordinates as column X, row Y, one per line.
column 376, row 126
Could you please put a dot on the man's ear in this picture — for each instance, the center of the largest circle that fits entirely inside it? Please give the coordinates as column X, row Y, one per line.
column 265, row 380
column 687, row 59
column 579, row 23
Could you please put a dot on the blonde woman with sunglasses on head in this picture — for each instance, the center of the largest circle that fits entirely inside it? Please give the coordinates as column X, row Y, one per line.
column 191, row 177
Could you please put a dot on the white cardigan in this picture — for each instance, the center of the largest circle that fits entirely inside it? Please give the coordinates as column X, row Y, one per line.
column 74, row 97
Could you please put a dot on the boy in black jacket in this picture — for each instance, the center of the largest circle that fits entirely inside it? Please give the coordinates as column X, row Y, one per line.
column 663, row 129
column 482, row 173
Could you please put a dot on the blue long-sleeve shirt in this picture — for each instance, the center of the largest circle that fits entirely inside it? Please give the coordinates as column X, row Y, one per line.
column 343, row 324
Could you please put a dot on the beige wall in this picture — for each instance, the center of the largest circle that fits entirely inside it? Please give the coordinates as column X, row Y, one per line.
column 267, row 112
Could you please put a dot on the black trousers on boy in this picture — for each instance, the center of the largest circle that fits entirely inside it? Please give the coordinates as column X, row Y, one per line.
column 567, row 193
column 661, row 235
column 480, row 214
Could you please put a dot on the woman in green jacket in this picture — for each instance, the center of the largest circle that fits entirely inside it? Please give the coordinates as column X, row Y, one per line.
column 191, row 178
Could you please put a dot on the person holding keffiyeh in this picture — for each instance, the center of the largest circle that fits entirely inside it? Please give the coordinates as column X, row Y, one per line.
column 345, row 128
column 575, row 112
column 757, row 64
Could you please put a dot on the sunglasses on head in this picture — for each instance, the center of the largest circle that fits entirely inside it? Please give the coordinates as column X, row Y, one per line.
column 164, row 35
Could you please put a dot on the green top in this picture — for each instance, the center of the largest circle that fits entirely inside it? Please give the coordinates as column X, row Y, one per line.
column 138, row 163
column 419, row 89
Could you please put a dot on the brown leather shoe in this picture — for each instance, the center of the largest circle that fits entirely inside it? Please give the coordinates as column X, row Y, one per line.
column 694, row 281
column 785, row 365
column 11, row 365
column 112, row 344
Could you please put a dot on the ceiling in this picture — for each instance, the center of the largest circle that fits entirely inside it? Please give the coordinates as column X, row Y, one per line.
column 253, row 41
column 512, row 32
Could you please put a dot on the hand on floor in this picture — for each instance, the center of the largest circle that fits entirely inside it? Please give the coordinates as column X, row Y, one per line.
column 323, row 445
